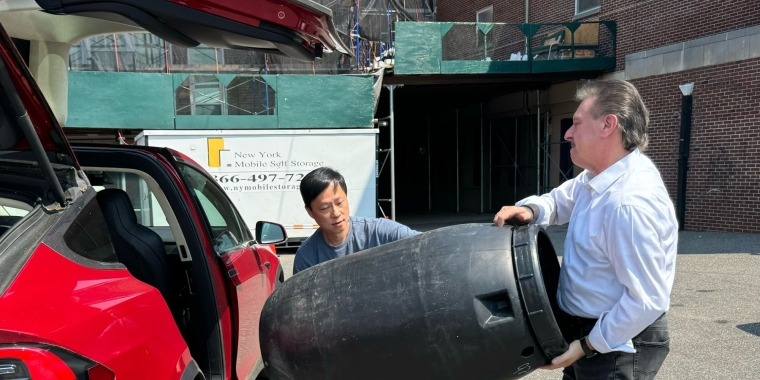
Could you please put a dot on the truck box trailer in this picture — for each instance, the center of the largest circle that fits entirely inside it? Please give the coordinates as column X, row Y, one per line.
column 261, row 170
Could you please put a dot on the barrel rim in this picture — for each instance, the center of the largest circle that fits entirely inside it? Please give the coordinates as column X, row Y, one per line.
column 537, row 305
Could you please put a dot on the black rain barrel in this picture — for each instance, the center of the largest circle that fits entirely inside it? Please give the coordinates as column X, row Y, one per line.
column 471, row 302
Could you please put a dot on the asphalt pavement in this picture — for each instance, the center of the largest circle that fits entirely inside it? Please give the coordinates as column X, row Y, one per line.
column 714, row 316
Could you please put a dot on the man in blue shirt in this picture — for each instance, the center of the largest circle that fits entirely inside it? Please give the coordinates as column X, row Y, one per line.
column 324, row 194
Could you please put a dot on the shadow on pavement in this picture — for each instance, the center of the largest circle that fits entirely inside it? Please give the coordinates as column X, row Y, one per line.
column 752, row 328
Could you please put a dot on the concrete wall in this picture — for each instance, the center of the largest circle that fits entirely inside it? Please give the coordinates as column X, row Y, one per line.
column 720, row 48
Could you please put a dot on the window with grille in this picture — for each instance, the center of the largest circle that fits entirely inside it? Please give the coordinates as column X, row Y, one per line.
column 242, row 95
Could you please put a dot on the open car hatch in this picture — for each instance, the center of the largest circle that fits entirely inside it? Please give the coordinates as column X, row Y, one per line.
column 301, row 29
column 34, row 151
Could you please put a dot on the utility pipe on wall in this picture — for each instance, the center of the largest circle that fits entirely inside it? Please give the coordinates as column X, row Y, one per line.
column 457, row 147
column 527, row 11
column 538, row 142
column 683, row 152
column 482, row 150
column 527, row 20
column 430, row 186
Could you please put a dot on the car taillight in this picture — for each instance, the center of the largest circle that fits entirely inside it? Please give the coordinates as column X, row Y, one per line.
column 98, row 372
column 13, row 369
column 41, row 362
column 32, row 363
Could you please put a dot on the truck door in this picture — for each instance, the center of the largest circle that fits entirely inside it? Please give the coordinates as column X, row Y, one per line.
column 246, row 274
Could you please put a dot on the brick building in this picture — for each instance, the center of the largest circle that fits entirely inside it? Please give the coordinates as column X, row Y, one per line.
column 660, row 45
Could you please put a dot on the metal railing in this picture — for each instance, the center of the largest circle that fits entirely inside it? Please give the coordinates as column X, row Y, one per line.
column 445, row 47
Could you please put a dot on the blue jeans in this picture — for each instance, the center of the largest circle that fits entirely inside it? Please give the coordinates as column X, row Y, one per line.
column 652, row 346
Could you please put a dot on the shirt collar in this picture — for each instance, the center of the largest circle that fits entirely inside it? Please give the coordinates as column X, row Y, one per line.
column 602, row 181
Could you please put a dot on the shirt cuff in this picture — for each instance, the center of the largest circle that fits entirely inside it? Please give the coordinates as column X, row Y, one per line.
column 538, row 202
column 600, row 344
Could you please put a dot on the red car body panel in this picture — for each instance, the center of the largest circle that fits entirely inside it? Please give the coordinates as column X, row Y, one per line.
column 249, row 291
column 302, row 29
column 108, row 316
column 104, row 315
column 268, row 255
column 314, row 26
column 184, row 157
column 251, row 281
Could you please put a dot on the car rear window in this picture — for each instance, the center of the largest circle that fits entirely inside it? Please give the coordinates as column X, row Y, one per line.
column 88, row 235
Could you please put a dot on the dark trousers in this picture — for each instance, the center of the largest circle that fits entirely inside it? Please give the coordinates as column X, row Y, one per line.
column 652, row 346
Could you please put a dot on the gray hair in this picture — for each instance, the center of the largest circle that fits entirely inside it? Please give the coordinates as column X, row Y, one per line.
column 619, row 98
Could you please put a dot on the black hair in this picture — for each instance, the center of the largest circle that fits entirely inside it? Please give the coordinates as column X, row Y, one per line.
column 317, row 181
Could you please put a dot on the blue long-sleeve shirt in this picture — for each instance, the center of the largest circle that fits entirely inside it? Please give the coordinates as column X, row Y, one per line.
column 363, row 233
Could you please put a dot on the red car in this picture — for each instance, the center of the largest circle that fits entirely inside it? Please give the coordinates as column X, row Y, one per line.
column 119, row 261
column 301, row 29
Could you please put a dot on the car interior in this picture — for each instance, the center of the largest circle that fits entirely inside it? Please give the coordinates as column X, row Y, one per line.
column 155, row 238
column 146, row 236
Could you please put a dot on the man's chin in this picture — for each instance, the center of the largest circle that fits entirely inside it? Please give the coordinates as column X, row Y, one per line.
column 337, row 228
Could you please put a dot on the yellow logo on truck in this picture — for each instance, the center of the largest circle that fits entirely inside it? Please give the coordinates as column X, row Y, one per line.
column 215, row 146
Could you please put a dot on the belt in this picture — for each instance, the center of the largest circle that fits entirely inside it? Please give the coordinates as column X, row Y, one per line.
column 580, row 321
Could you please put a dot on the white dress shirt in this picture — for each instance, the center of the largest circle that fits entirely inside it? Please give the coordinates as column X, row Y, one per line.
column 620, row 251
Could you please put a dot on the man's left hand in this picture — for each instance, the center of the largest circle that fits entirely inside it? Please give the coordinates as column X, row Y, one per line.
column 573, row 353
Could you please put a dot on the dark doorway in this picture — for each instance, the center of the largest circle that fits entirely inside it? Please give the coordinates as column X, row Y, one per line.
column 565, row 163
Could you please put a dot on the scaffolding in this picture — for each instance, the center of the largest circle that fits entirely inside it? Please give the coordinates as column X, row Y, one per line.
column 364, row 25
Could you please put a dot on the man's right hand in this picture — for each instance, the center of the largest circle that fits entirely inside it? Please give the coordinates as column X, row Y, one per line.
column 512, row 215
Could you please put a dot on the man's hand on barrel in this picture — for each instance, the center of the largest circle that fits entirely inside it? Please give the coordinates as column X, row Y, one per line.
column 514, row 215
column 573, row 353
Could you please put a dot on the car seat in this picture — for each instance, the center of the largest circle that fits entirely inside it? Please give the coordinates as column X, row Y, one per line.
column 139, row 248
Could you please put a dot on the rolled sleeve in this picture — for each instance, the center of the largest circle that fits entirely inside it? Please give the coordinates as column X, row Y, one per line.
column 556, row 206
column 389, row 231
column 641, row 265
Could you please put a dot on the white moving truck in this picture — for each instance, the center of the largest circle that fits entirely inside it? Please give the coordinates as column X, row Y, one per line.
column 261, row 170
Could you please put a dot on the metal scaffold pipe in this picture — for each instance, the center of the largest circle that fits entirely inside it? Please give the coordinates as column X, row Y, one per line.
column 391, row 88
column 538, row 142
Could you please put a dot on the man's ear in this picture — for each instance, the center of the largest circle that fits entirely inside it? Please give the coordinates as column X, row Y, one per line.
column 610, row 125
column 308, row 211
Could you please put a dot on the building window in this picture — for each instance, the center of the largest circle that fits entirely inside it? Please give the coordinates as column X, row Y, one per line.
column 204, row 55
column 483, row 15
column 486, row 14
column 586, row 6
column 243, row 95
column 201, row 95
column 206, row 96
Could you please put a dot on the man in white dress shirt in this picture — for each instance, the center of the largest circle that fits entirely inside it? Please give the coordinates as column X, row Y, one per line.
column 620, row 251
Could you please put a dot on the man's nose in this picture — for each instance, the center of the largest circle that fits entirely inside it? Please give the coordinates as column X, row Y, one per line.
column 569, row 134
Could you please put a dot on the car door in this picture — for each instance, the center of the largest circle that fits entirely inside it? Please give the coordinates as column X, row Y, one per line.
column 246, row 273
